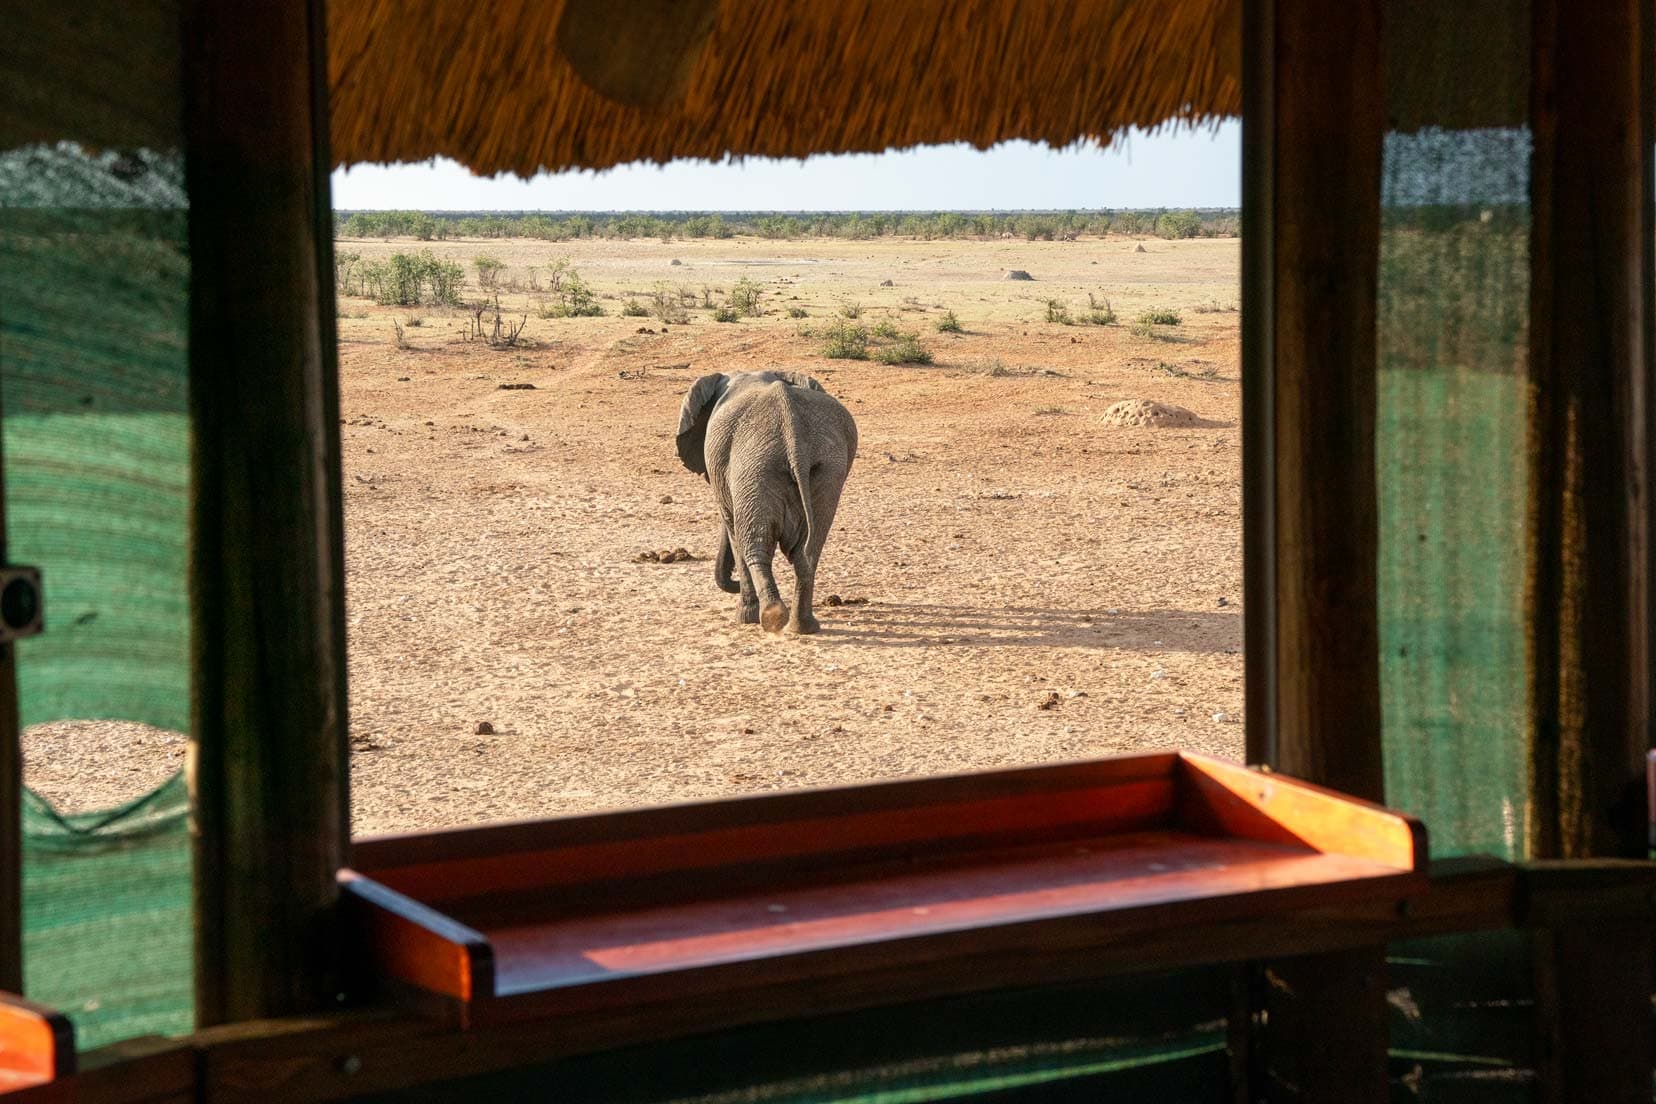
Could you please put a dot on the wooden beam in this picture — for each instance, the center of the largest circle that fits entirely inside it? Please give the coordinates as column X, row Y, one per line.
column 1592, row 999
column 11, row 804
column 268, row 765
column 1312, row 147
column 1589, row 650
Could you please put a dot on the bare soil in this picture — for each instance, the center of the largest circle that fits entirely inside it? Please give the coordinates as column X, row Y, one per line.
column 1020, row 580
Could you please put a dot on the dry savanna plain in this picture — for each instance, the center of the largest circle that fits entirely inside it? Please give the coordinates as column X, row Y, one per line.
column 1022, row 576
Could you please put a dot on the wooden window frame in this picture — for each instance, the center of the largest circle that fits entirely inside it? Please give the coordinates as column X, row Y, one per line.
column 270, row 764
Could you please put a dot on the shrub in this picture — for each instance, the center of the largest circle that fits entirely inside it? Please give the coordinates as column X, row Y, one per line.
column 407, row 280
column 845, row 342
column 488, row 271
column 851, row 310
column 744, row 298
column 726, row 314
column 570, row 296
column 344, row 268
column 1057, row 311
column 797, row 312
column 634, row 309
column 666, row 304
column 905, row 350
column 1179, row 224
column 887, row 329
column 950, row 324
column 1100, row 314
column 1160, row 316
column 402, row 341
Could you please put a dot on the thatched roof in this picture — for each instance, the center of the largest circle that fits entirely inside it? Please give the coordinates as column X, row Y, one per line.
column 526, row 86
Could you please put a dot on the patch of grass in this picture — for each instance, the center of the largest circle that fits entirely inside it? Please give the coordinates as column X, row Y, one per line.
column 635, row 309
column 1100, row 313
column 1213, row 306
column 851, row 310
column 1160, row 316
column 950, row 324
column 1052, row 410
column 1058, row 311
column 401, row 339
column 797, row 312
column 726, row 313
column 1205, row 372
column 843, row 341
column 906, row 349
column 488, row 271
column 887, row 330
column 414, row 320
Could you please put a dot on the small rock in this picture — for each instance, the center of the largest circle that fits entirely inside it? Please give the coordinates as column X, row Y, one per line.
column 1050, row 701
column 889, row 708
column 1221, row 717
column 644, row 329
column 675, row 261
column 647, row 557
column 1223, row 601
column 517, row 387
column 1158, row 673
column 402, row 379
column 833, row 600
column 1017, row 274
column 1139, row 248
column 887, row 283
column 667, row 500
column 484, row 728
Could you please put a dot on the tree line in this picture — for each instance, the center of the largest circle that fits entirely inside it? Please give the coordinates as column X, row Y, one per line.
column 855, row 225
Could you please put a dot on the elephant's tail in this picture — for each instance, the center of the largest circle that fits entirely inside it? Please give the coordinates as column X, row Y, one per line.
column 724, row 567
column 801, row 468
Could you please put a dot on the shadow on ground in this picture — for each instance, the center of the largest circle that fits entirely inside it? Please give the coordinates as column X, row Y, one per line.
column 896, row 625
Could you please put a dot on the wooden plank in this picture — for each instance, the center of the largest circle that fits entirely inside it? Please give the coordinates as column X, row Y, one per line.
column 1250, row 804
column 414, row 943
column 11, row 793
column 268, row 762
column 1592, row 996
column 1588, row 591
column 146, row 1070
column 760, row 839
column 37, row 1044
column 1318, row 137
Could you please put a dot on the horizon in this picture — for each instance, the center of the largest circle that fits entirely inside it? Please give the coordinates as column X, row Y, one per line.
column 1170, row 168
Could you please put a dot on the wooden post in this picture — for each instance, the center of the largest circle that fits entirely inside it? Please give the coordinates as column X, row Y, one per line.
column 1589, row 552
column 11, row 805
column 268, row 765
column 1312, row 146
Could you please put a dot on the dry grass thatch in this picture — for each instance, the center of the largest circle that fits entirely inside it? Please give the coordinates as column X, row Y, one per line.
column 491, row 87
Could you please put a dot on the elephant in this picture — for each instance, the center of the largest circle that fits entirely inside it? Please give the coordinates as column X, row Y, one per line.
column 776, row 449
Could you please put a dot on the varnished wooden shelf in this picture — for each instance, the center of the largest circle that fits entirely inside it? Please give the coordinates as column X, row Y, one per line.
column 37, row 1045
column 897, row 884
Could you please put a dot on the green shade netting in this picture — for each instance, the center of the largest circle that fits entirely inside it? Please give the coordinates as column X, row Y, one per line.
column 94, row 323
column 1450, row 460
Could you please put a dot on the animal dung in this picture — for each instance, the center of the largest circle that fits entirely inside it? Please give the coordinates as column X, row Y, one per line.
column 1050, row 701
column 666, row 555
column 1147, row 412
column 1017, row 274
column 887, row 283
column 836, row 600
column 517, row 387
column 675, row 261
column 484, row 728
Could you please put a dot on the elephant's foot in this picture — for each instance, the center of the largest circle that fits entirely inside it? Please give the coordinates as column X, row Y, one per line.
column 748, row 614
column 805, row 623
column 773, row 616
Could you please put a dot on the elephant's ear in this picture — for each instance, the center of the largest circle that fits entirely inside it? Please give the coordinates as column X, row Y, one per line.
column 693, row 416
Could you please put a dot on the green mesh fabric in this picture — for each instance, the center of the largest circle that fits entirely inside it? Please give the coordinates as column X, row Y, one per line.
column 1450, row 458
column 94, row 323
column 107, row 915
column 1450, row 452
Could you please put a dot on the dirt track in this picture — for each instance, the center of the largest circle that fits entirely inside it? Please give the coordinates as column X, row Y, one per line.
column 1039, row 585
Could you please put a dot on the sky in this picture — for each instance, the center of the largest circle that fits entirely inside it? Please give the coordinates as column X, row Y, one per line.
column 1168, row 168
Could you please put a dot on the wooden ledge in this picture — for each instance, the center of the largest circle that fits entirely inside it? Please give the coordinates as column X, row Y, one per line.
column 37, row 1045
column 921, row 884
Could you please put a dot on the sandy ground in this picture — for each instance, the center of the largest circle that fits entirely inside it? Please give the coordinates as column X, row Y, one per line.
column 1039, row 584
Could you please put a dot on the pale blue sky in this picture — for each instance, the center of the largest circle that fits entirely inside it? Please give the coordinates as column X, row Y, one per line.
column 1182, row 168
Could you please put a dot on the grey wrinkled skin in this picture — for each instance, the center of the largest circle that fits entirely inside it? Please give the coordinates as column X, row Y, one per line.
column 777, row 449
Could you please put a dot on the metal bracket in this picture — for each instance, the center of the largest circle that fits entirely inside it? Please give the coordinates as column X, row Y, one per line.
column 22, row 605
